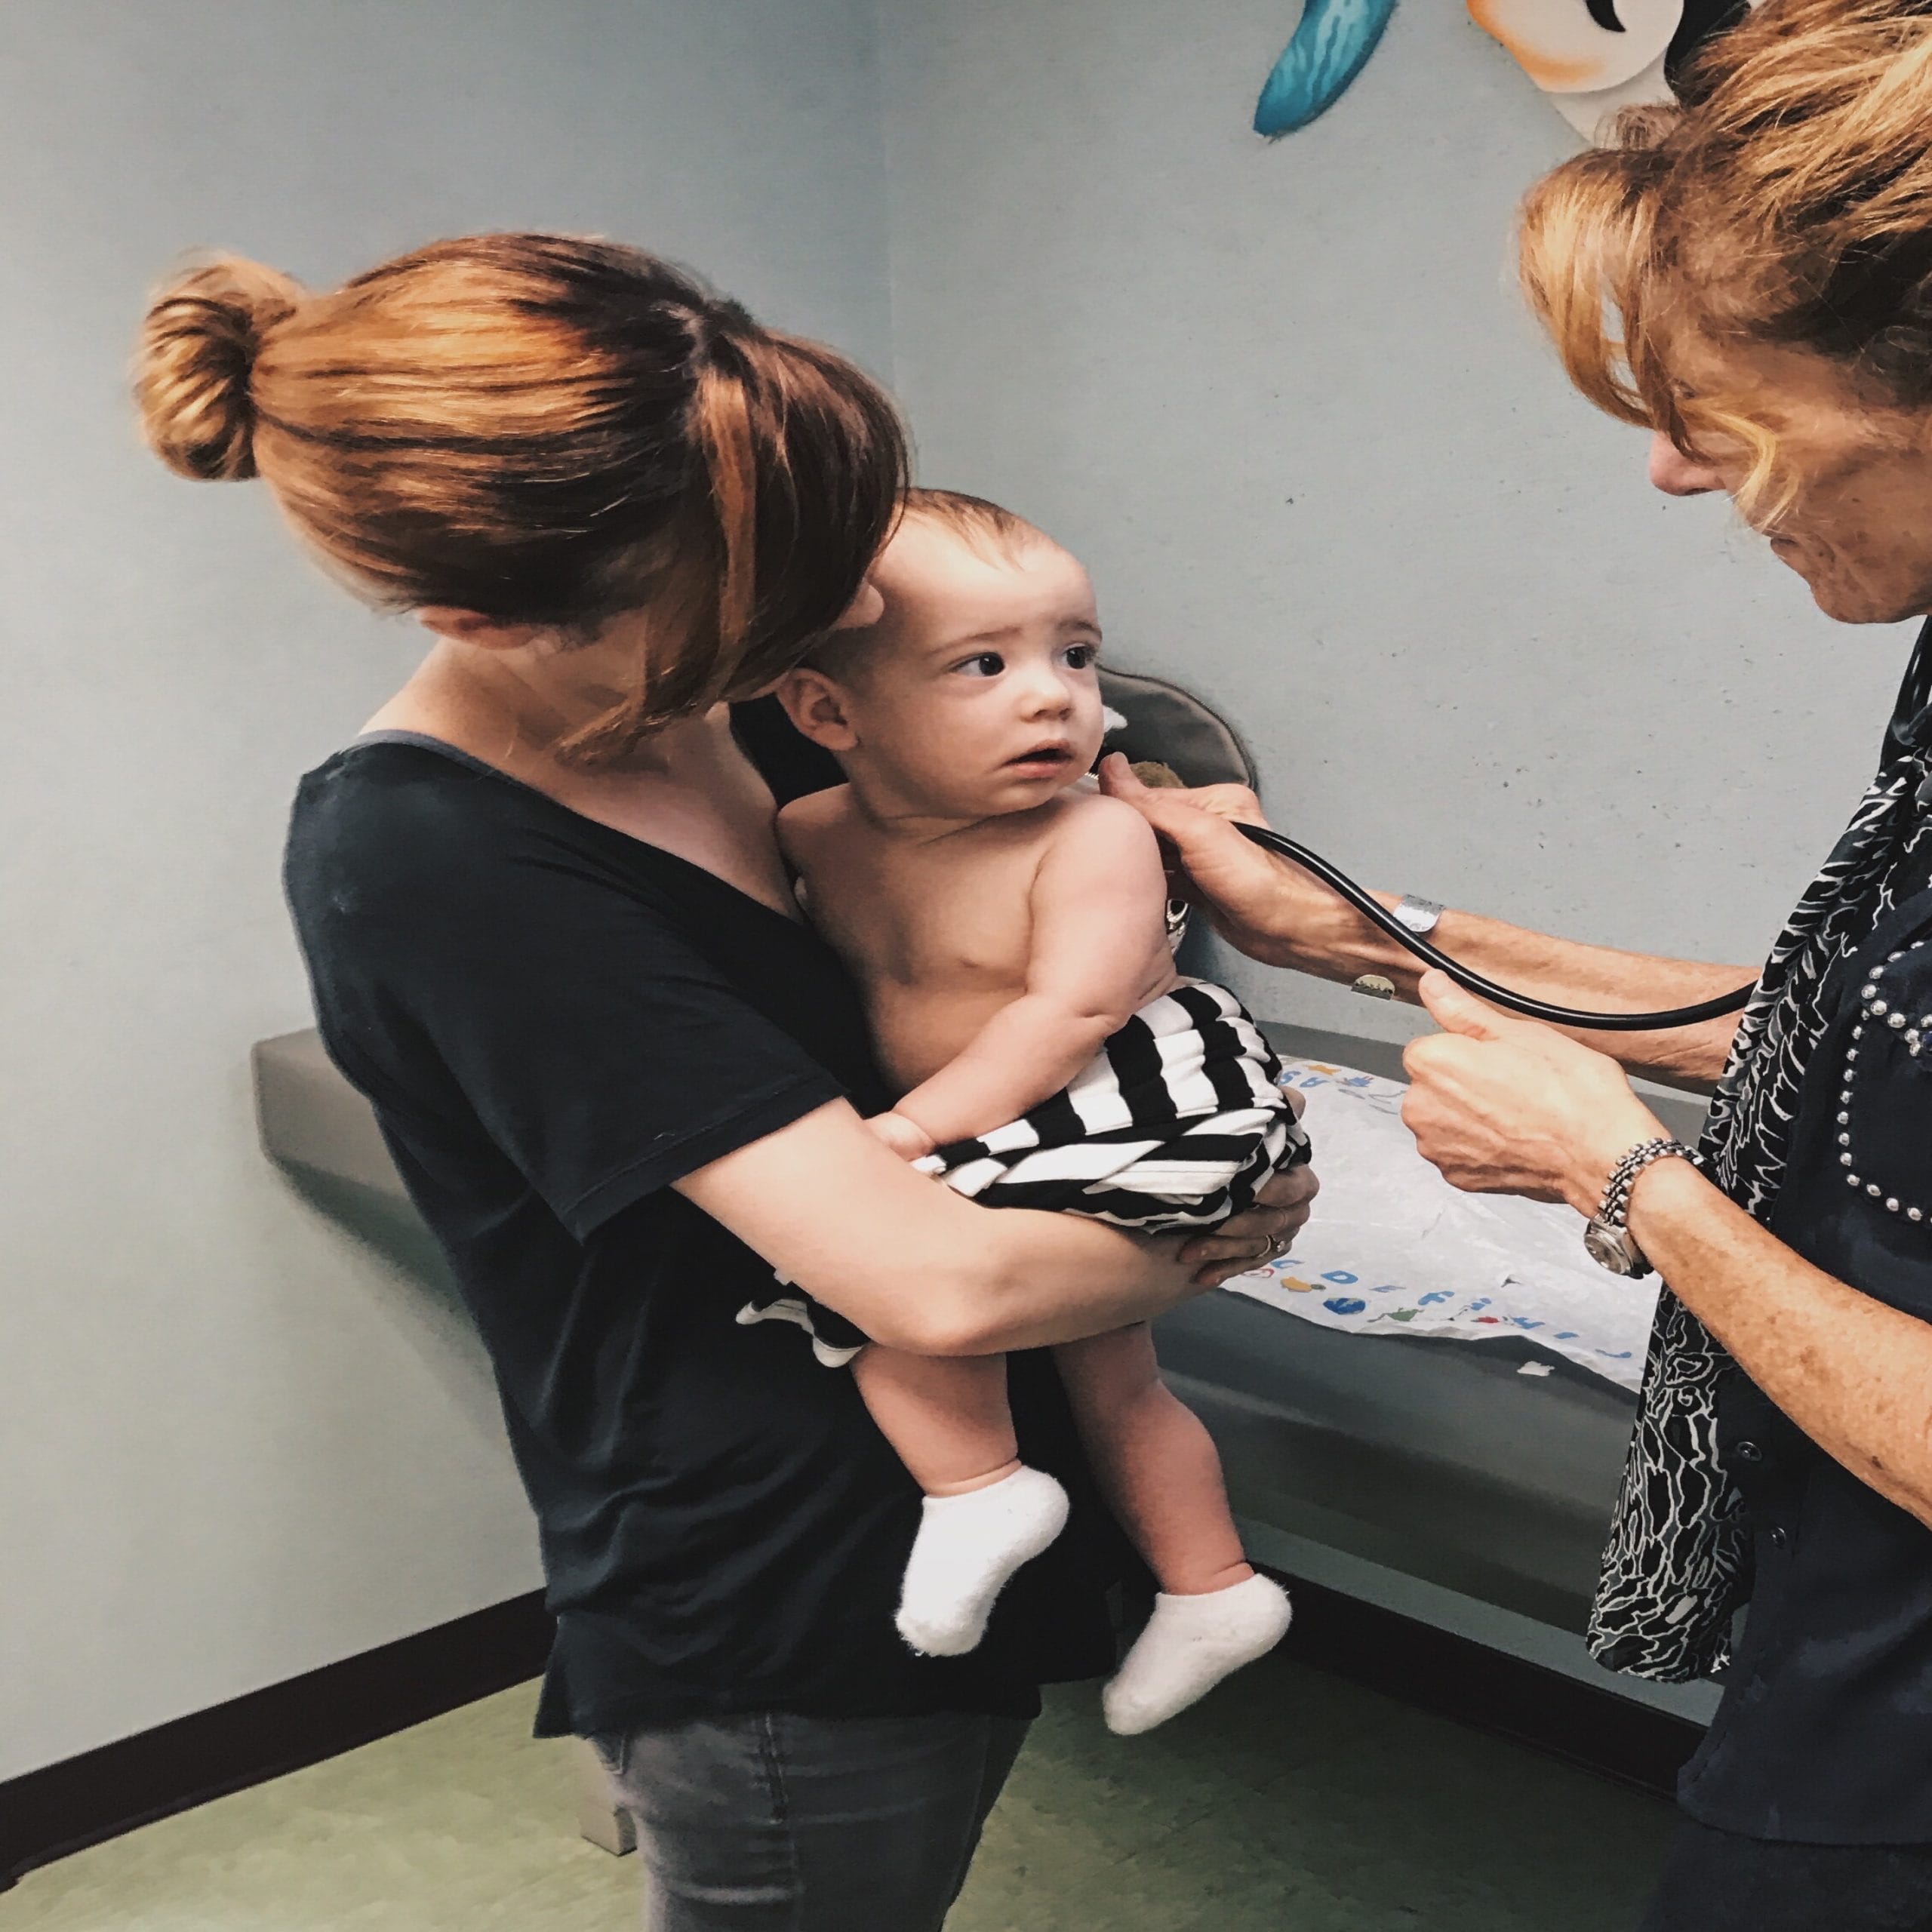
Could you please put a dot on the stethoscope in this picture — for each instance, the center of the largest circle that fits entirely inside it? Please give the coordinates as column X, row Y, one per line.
column 1372, row 909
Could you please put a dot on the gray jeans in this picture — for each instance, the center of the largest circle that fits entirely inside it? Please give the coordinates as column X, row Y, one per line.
column 771, row 1823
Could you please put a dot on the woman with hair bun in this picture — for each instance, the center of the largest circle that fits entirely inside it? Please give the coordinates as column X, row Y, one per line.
column 1747, row 275
column 550, row 937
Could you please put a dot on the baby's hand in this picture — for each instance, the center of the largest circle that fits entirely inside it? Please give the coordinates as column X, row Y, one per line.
column 907, row 1139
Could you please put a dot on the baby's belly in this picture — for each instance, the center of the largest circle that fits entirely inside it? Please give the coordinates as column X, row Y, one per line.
column 917, row 1032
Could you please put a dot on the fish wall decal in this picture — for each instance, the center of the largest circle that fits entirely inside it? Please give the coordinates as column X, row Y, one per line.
column 1332, row 46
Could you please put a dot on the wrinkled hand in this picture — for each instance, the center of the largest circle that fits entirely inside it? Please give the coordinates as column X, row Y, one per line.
column 1281, row 1211
column 908, row 1140
column 1255, row 902
column 1504, row 1105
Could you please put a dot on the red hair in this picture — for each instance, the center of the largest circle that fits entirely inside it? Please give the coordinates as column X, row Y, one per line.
column 547, row 431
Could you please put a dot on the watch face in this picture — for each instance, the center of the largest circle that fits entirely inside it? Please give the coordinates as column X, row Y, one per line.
column 1609, row 1247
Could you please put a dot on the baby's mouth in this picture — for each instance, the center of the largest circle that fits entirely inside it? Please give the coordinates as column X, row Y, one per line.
column 1042, row 758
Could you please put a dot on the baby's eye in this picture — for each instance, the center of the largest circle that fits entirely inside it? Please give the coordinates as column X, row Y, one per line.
column 987, row 664
column 1082, row 657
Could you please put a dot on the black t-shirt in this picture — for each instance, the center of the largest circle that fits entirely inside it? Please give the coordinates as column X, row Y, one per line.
column 555, row 1022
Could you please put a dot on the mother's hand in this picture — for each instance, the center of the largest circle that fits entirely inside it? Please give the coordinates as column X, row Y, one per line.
column 1254, row 901
column 1281, row 1211
column 1504, row 1105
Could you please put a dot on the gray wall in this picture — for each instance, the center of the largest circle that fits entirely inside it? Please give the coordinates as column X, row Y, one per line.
column 1285, row 402
column 232, row 1446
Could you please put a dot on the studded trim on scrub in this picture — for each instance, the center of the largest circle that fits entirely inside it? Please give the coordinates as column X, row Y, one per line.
column 1877, row 1010
column 1677, row 1563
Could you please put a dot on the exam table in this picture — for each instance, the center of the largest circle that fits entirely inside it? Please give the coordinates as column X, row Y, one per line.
column 1438, row 1460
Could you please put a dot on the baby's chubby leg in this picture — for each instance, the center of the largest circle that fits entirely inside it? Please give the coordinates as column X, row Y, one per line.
column 1157, row 1464
column 1161, row 1471
column 986, row 1513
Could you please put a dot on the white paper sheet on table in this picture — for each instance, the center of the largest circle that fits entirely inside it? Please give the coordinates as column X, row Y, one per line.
column 1393, row 1249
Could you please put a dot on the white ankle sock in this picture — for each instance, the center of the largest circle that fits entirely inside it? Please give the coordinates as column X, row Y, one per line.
column 1189, row 1644
column 966, row 1548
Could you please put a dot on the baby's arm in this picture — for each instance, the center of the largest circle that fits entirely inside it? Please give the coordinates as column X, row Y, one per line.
column 1100, row 953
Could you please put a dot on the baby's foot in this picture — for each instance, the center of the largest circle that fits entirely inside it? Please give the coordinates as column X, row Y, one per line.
column 966, row 1548
column 1189, row 1644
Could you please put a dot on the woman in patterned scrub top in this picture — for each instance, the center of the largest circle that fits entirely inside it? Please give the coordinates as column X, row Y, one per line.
column 1748, row 276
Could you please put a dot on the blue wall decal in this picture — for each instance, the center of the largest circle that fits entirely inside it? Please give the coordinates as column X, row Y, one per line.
column 1330, row 47
column 1592, row 56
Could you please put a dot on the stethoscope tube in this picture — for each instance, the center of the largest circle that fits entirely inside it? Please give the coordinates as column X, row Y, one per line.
column 1374, row 911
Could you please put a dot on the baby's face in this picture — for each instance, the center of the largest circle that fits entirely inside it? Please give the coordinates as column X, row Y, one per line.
column 976, row 691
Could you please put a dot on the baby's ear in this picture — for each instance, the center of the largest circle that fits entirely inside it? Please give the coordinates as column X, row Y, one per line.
column 818, row 707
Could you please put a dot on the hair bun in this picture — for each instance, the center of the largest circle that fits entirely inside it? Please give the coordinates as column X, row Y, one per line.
column 195, row 368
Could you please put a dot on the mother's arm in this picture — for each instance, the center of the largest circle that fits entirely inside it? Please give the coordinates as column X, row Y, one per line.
column 1277, row 913
column 920, row 1268
column 1502, row 1105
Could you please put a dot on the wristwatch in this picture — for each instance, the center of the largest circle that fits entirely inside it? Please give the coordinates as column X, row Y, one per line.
column 1420, row 915
column 1606, row 1238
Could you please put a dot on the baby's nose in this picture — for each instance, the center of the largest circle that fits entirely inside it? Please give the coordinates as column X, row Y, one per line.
column 1047, row 690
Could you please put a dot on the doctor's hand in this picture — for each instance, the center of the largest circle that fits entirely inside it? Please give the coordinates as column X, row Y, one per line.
column 1504, row 1105
column 1271, row 911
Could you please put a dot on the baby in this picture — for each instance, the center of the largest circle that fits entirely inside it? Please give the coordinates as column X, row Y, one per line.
column 1007, row 925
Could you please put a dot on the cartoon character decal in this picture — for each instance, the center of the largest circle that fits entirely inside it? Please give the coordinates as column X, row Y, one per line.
column 1594, row 57
column 1590, row 57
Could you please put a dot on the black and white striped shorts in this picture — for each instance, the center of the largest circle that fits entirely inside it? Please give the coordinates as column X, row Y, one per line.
column 1175, row 1124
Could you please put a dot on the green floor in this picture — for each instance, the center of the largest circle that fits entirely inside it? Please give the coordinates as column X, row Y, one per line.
column 1289, row 1800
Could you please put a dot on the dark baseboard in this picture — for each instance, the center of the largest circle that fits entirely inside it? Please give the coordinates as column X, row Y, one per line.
column 49, row 1813
column 1489, row 1690
column 46, row 1813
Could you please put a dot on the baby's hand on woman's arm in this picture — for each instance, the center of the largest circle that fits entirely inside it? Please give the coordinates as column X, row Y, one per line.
column 906, row 1138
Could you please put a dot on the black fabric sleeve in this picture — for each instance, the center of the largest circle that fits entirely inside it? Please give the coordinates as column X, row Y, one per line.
column 575, row 1023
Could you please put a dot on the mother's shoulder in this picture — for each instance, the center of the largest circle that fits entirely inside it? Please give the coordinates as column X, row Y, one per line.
column 396, row 814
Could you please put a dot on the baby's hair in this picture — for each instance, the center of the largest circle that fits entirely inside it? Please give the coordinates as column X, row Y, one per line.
column 975, row 520
column 988, row 528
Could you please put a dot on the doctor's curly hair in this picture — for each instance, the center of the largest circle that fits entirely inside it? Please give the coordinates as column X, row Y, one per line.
column 1785, row 201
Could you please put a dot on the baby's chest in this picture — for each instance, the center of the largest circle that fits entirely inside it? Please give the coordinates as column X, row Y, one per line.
column 936, row 922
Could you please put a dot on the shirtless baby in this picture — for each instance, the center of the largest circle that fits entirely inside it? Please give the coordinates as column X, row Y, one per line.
column 1007, row 925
